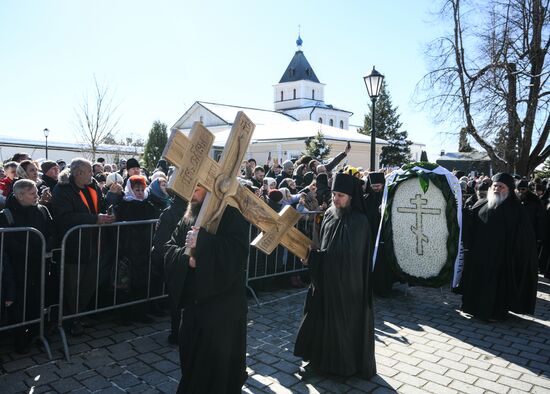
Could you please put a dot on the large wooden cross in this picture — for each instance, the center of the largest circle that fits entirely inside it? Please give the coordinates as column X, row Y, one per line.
column 190, row 156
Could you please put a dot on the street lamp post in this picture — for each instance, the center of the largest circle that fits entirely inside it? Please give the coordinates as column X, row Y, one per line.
column 46, row 134
column 373, row 82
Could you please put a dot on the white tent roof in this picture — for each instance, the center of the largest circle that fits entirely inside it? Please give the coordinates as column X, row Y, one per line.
column 297, row 131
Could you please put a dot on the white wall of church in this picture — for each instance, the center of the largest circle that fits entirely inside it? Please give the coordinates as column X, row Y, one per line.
column 322, row 115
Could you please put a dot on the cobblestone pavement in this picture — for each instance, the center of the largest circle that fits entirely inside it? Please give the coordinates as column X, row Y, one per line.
column 423, row 344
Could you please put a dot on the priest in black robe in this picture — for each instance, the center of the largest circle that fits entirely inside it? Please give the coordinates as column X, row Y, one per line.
column 500, row 267
column 336, row 335
column 212, row 335
column 383, row 276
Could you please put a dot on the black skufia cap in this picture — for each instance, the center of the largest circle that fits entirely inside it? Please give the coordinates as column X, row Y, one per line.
column 505, row 178
column 376, row 177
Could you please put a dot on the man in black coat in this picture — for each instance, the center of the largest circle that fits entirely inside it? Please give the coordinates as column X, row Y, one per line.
column 337, row 332
column 174, row 274
column 500, row 267
column 78, row 200
column 213, row 324
column 24, row 253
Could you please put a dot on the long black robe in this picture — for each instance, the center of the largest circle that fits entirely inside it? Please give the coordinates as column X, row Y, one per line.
column 383, row 276
column 213, row 325
column 500, row 267
column 337, row 331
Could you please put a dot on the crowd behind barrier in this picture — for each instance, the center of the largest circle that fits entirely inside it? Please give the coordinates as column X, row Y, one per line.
column 92, row 227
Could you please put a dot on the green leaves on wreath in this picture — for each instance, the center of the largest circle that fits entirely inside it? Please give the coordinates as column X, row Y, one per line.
column 424, row 180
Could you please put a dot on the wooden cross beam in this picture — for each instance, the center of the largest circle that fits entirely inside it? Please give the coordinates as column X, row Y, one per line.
column 190, row 156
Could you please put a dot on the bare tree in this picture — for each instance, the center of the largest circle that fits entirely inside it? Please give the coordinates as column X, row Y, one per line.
column 96, row 117
column 490, row 76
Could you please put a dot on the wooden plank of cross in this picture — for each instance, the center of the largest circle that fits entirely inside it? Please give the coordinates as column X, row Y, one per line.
column 194, row 166
column 276, row 227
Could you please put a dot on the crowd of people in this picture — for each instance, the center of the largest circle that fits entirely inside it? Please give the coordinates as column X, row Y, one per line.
column 505, row 232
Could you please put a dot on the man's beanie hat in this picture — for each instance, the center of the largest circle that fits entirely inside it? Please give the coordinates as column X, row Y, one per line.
column 288, row 165
column 505, row 178
column 132, row 163
column 275, row 195
column 47, row 165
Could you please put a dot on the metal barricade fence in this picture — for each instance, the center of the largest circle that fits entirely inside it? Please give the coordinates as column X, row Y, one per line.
column 21, row 307
column 97, row 260
column 280, row 261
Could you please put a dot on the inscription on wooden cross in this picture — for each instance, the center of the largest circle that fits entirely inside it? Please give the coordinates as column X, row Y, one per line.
column 418, row 229
column 190, row 156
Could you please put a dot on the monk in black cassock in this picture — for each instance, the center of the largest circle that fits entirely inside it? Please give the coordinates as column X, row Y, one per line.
column 383, row 276
column 337, row 332
column 213, row 325
column 500, row 267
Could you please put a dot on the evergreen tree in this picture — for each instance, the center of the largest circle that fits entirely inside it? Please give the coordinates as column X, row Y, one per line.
column 156, row 141
column 387, row 121
column 317, row 146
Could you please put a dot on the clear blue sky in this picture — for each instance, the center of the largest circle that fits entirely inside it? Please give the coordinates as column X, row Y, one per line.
column 159, row 57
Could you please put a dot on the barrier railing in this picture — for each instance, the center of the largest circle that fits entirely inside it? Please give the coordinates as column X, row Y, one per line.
column 23, row 317
column 280, row 261
column 98, row 259
column 98, row 263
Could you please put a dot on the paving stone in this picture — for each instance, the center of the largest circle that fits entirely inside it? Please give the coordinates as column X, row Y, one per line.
column 96, row 383
column 125, row 380
column 65, row 385
column 491, row 386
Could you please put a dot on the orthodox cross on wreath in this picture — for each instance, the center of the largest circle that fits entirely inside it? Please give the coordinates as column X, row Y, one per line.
column 419, row 210
column 190, row 156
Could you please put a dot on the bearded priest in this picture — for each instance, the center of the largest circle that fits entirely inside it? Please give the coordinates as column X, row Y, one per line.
column 336, row 335
column 212, row 334
column 500, row 266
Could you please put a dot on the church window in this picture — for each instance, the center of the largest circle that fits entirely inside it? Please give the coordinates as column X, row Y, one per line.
column 341, row 124
column 331, row 122
column 281, row 95
column 321, row 120
column 307, row 72
column 294, row 93
column 313, row 94
column 201, row 119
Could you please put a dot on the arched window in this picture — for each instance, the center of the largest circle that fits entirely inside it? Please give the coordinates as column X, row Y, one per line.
column 341, row 124
column 281, row 95
column 331, row 122
column 201, row 119
column 313, row 94
column 295, row 94
column 320, row 120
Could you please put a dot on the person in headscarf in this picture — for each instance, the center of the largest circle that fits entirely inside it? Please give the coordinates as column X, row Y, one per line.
column 135, row 244
column 500, row 267
column 158, row 196
column 336, row 335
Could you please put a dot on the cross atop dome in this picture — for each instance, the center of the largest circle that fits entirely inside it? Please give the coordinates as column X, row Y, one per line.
column 299, row 40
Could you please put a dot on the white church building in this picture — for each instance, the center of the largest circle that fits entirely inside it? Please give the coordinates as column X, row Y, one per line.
column 300, row 112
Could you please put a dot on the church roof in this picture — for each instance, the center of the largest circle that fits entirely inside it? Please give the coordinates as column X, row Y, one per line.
column 256, row 115
column 299, row 69
column 298, row 131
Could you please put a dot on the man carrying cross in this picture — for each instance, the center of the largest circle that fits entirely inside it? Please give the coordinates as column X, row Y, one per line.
column 213, row 326
column 337, row 332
